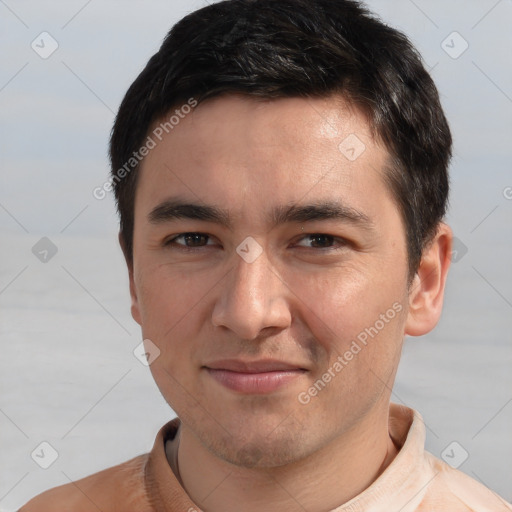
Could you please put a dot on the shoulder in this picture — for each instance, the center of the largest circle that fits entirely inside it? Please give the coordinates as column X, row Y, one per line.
column 465, row 492
column 429, row 482
column 118, row 488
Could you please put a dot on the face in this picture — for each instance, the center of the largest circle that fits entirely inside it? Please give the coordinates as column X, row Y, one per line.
column 270, row 270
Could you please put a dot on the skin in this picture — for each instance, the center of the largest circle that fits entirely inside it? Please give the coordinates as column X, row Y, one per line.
column 304, row 300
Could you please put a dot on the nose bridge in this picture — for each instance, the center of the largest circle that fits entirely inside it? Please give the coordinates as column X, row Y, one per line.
column 252, row 279
column 252, row 299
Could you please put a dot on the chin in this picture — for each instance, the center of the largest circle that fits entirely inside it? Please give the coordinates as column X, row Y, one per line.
column 259, row 448
column 259, row 454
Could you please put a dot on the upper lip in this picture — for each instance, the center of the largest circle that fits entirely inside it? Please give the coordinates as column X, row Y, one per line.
column 260, row 366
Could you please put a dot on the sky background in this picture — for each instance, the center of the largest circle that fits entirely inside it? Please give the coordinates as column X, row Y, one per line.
column 68, row 375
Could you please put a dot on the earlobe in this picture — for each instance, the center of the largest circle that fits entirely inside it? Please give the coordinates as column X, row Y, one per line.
column 133, row 291
column 427, row 289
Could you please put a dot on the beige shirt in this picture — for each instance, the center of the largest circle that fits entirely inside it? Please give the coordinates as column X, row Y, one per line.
column 415, row 481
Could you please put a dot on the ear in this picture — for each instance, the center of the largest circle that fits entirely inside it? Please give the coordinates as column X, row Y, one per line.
column 133, row 292
column 426, row 293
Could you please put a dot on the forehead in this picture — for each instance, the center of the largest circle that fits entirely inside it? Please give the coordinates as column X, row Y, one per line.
column 238, row 122
column 234, row 150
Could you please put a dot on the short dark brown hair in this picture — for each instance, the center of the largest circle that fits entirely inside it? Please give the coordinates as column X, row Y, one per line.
column 298, row 48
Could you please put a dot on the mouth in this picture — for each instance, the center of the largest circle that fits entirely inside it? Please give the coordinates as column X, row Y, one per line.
column 255, row 377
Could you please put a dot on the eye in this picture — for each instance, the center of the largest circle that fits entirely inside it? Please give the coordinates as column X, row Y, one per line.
column 321, row 241
column 189, row 240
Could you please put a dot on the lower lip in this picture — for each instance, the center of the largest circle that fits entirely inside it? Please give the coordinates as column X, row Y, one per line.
column 254, row 383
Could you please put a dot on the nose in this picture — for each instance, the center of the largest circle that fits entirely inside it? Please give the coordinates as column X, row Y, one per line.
column 253, row 298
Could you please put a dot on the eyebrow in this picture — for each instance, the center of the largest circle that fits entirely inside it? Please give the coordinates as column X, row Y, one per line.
column 172, row 209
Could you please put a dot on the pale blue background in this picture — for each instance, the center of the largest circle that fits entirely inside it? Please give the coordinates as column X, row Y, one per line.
column 67, row 372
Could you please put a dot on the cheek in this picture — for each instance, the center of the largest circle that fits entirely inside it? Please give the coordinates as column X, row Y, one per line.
column 168, row 302
column 358, row 322
column 361, row 312
column 172, row 316
column 339, row 301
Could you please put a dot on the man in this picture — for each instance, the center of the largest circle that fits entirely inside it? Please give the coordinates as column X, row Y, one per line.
column 280, row 170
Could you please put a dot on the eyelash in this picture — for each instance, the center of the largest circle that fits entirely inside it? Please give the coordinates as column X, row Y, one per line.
column 172, row 241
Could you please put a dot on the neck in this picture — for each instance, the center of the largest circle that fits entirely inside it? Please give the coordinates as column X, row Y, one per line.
column 323, row 481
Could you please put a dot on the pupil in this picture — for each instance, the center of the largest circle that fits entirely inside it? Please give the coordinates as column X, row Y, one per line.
column 194, row 239
column 321, row 240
